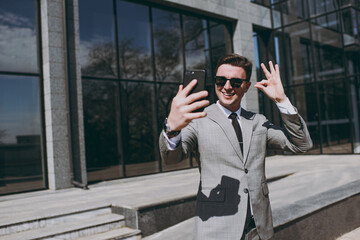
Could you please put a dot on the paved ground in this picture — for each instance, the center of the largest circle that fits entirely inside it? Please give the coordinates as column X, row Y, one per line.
column 354, row 235
column 306, row 177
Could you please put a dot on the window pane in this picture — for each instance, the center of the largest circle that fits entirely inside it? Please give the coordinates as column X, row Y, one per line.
column 20, row 134
column 101, row 124
column 355, row 99
column 168, row 47
column 297, row 53
column 293, row 11
column 97, row 48
column 276, row 16
column 134, row 41
column 335, row 118
column 328, row 52
column 138, row 103
column 350, row 27
column 194, row 41
column 18, row 36
column 220, row 43
column 219, row 35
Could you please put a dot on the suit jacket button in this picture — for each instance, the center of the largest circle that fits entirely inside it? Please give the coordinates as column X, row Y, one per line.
column 246, row 170
column 246, row 190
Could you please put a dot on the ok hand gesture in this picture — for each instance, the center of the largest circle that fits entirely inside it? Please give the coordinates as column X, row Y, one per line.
column 272, row 86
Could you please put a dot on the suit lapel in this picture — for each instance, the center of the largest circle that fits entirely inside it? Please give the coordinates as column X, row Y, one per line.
column 215, row 114
column 247, row 130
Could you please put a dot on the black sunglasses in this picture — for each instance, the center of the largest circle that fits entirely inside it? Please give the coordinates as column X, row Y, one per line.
column 235, row 82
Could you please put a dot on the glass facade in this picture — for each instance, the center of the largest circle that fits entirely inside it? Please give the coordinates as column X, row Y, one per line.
column 316, row 44
column 21, row 162
column 133, row 57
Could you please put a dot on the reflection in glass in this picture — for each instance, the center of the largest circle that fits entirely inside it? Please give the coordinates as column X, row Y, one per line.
column 18, row 41
column 350, row 27
column 194, row 41
column 219, row 35
column 335, row 118
column 328, row 52
column 138, row 103
column 297, row 55
column 20, row 134
column 166, row 92
column 167, row 45
column 293, row 11
column 220, row 43
column 101, row 118
column 97, row 48
column 355, row 97
column 134, row 41
column 276, row 16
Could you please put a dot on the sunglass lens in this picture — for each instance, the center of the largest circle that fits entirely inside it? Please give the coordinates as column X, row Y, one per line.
column 220, row 81
column 236, row 82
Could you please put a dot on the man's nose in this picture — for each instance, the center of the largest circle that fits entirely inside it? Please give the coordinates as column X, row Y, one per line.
column 227, row 85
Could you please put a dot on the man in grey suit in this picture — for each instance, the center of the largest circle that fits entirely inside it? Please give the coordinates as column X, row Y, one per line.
column 231, row 143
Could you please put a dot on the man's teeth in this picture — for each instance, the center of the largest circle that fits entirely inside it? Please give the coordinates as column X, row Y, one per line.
column 229, row 94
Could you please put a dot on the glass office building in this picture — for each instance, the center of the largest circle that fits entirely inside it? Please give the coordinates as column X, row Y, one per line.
column 316, row 44
column 85, row 85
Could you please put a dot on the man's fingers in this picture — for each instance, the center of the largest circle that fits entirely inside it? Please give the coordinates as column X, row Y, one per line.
column 272, row 69
column 195, row 115
column 180, row 89
column 189, row 87
column 273, row 72
column 196, row 96
column 261, row 85
column 277, row 71
column 198, row 104
column 266, row 72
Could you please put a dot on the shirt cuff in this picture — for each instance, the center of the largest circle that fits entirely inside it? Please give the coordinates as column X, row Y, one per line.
column 286, row 107
column 173, row 142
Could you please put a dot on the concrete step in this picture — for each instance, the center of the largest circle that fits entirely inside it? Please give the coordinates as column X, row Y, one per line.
column 71, row 228
column 123, row 233
column 25, row 223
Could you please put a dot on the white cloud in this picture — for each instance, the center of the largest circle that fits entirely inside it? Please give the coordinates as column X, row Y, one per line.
column 18, row 49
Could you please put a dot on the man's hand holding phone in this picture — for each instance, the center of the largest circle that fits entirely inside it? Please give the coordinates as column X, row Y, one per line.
column 184, row 104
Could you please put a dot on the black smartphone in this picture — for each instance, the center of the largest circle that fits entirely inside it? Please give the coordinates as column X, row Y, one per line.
column 200, row 76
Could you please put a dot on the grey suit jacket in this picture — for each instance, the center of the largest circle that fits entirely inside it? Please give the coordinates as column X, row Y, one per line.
column 228, row 177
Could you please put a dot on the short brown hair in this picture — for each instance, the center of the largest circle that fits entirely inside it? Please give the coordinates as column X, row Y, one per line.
column 238, row 61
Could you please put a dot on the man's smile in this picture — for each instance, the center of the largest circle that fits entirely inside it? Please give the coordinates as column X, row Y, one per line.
column 228, row 94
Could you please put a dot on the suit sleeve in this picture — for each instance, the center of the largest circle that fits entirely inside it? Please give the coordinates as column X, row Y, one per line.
column 293, row 137
column 182, row 151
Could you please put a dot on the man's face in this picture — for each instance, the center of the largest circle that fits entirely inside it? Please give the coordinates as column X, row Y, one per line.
column 228, row 96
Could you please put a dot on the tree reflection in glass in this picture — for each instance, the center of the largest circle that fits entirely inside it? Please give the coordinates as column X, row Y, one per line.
column 140, row 127
column 194, row 41
column 97, row 45
column 134, row 41
column 167, row 45
column 100, row 122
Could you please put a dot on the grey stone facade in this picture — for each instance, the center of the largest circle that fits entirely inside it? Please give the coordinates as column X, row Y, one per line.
column 59, row 69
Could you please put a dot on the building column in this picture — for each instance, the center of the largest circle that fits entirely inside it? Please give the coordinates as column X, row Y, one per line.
column 58, row 114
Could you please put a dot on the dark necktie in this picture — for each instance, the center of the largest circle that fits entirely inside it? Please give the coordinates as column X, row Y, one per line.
column 237, row 128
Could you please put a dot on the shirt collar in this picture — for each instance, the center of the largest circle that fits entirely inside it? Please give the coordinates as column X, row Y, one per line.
column 226, row 111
